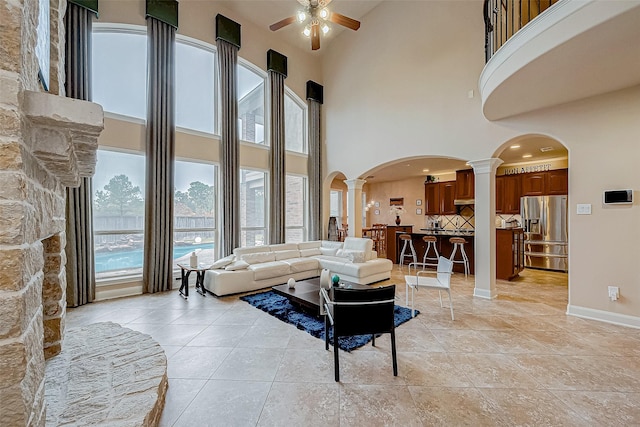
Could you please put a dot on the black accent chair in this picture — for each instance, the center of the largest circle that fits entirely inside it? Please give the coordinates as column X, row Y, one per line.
column 359, row 312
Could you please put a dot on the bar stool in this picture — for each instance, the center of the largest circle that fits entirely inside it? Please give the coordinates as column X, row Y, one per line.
column 431, row 244
column 459, row 242
column 406, row 238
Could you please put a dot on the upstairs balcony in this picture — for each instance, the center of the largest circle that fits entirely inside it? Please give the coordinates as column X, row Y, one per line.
column 542, row 53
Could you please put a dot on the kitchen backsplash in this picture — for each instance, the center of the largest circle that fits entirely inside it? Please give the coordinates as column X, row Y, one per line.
column 465, row 220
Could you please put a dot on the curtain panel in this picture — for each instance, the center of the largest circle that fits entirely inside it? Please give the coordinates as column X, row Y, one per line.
column 229, row 147
column 315, row 172
column 277, row 176
column 80, row 267
column 160, row 156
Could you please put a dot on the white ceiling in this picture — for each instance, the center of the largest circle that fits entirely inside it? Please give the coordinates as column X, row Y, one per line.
column 266, row 12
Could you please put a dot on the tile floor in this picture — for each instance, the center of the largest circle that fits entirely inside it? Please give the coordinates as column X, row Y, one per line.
column 516, row 360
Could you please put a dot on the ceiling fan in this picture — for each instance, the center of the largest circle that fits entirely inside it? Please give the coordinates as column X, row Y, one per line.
column 315, row 12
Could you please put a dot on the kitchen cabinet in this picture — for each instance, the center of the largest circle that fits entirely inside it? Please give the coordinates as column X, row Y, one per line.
column 393, row 231
column 500, row 194
column 447, row 196
column 548, row 183
column 432, row 198
column 558, row 182
column 534, row 184
column 508, row 194
column 465, row 184
column 509, row 252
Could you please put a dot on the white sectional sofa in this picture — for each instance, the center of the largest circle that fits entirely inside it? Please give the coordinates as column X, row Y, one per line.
column 259, row 267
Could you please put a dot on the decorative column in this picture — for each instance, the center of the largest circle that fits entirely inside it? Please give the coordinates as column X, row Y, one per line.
column 354, row 206
column 485, row 233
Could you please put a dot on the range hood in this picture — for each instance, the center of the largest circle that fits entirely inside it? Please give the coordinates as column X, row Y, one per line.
column 464, row 202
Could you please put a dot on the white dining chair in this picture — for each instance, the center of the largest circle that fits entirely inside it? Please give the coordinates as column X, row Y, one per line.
column 440, row 280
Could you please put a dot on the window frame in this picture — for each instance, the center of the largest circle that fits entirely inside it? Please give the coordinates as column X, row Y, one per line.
column 265, row 105
column 305, row 121
column 305, row 204
column 267, row 201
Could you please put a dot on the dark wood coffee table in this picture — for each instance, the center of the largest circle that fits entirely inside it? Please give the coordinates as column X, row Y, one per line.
column 307, row 293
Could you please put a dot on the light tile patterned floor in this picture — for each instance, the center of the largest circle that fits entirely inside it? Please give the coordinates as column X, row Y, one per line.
column 516, row 360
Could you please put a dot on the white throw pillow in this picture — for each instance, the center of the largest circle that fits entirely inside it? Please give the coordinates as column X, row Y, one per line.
column 259, row 257
column 222, row 262
column 310, row 252
column 280, row 255
column 354, row 256
column 329, row 251
column 237, row 265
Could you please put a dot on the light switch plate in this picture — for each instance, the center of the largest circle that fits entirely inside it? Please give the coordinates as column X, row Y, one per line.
column 583, row 209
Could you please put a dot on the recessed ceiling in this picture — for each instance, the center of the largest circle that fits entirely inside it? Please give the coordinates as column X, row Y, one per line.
column 266, row 12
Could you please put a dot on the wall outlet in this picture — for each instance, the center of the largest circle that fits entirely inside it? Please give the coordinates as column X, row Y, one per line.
column 614, row 293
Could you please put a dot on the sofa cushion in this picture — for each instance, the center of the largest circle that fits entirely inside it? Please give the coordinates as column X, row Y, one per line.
column 358, row 244
column 331, row 244
column 314, row 244
column 310, row 252
column 258, row 257
column 222, row 262
column 267, row 270
column 282, row 255
column 298, row 265
column 283, row 247
column 238, row 252
column 237, row 265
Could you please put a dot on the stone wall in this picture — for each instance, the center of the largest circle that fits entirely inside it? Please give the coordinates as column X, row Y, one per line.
column 32, row 211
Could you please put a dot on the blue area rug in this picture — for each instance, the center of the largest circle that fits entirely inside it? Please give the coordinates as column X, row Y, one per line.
column 280, row 307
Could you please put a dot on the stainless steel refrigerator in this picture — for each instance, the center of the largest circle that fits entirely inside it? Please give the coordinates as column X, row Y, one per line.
column 546, row 235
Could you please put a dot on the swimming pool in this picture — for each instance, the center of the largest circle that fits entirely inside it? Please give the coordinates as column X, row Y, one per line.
column 124, row 260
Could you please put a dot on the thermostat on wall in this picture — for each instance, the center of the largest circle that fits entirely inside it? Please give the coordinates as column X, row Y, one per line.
column 617, row 197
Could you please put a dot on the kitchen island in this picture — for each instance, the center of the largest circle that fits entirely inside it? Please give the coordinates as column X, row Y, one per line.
column 443, row 245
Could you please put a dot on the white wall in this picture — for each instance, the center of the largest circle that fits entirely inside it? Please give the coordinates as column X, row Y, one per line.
column 400, row 90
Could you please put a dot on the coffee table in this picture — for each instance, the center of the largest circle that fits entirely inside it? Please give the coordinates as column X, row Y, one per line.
column 307, row 293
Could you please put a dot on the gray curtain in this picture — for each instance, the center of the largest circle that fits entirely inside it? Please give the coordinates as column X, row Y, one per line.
column 277, row 202
column 315, row 172
column 80, row 268
column 160, row 155
column 229, row 147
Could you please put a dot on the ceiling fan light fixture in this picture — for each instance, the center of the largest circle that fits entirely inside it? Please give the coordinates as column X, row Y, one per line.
column 306, row 31
column 324, row 13
column 301, row 16
column 325, row 28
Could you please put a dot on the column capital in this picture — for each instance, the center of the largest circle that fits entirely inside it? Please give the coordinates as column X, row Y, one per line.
column 355, row 184
column 485, row 165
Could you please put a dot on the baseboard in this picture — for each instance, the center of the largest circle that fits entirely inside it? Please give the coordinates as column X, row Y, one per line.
column 484, row 293
column 604, row 316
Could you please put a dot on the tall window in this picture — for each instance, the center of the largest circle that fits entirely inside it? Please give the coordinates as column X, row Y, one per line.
column 195, row 87
column 335, row 206
column 294, row 124
column 194, row 212
column 252, row 208
column 296, row 205
column 119, row 67
column 118, row 214
column 250, row 105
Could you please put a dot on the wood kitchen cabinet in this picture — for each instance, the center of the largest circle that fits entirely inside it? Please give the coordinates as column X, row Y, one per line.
column 465, row 184
column 392, row 240
column 509, row 252
column 508, row 194
column 447, row 196
column 548, row 183
column 558, row 182
column 534, row 183
column 432, row 198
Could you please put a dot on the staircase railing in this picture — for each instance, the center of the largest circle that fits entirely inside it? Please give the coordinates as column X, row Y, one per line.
column 503, row 18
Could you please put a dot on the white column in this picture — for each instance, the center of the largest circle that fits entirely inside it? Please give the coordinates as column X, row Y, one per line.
column 354, row 206
column 485, row 225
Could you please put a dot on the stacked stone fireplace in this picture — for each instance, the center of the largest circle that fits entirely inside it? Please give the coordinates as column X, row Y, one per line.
column 47, row 143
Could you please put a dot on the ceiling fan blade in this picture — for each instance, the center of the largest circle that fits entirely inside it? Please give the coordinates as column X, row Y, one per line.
column 283, row 23
column 315, row 37
column 344, row 21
